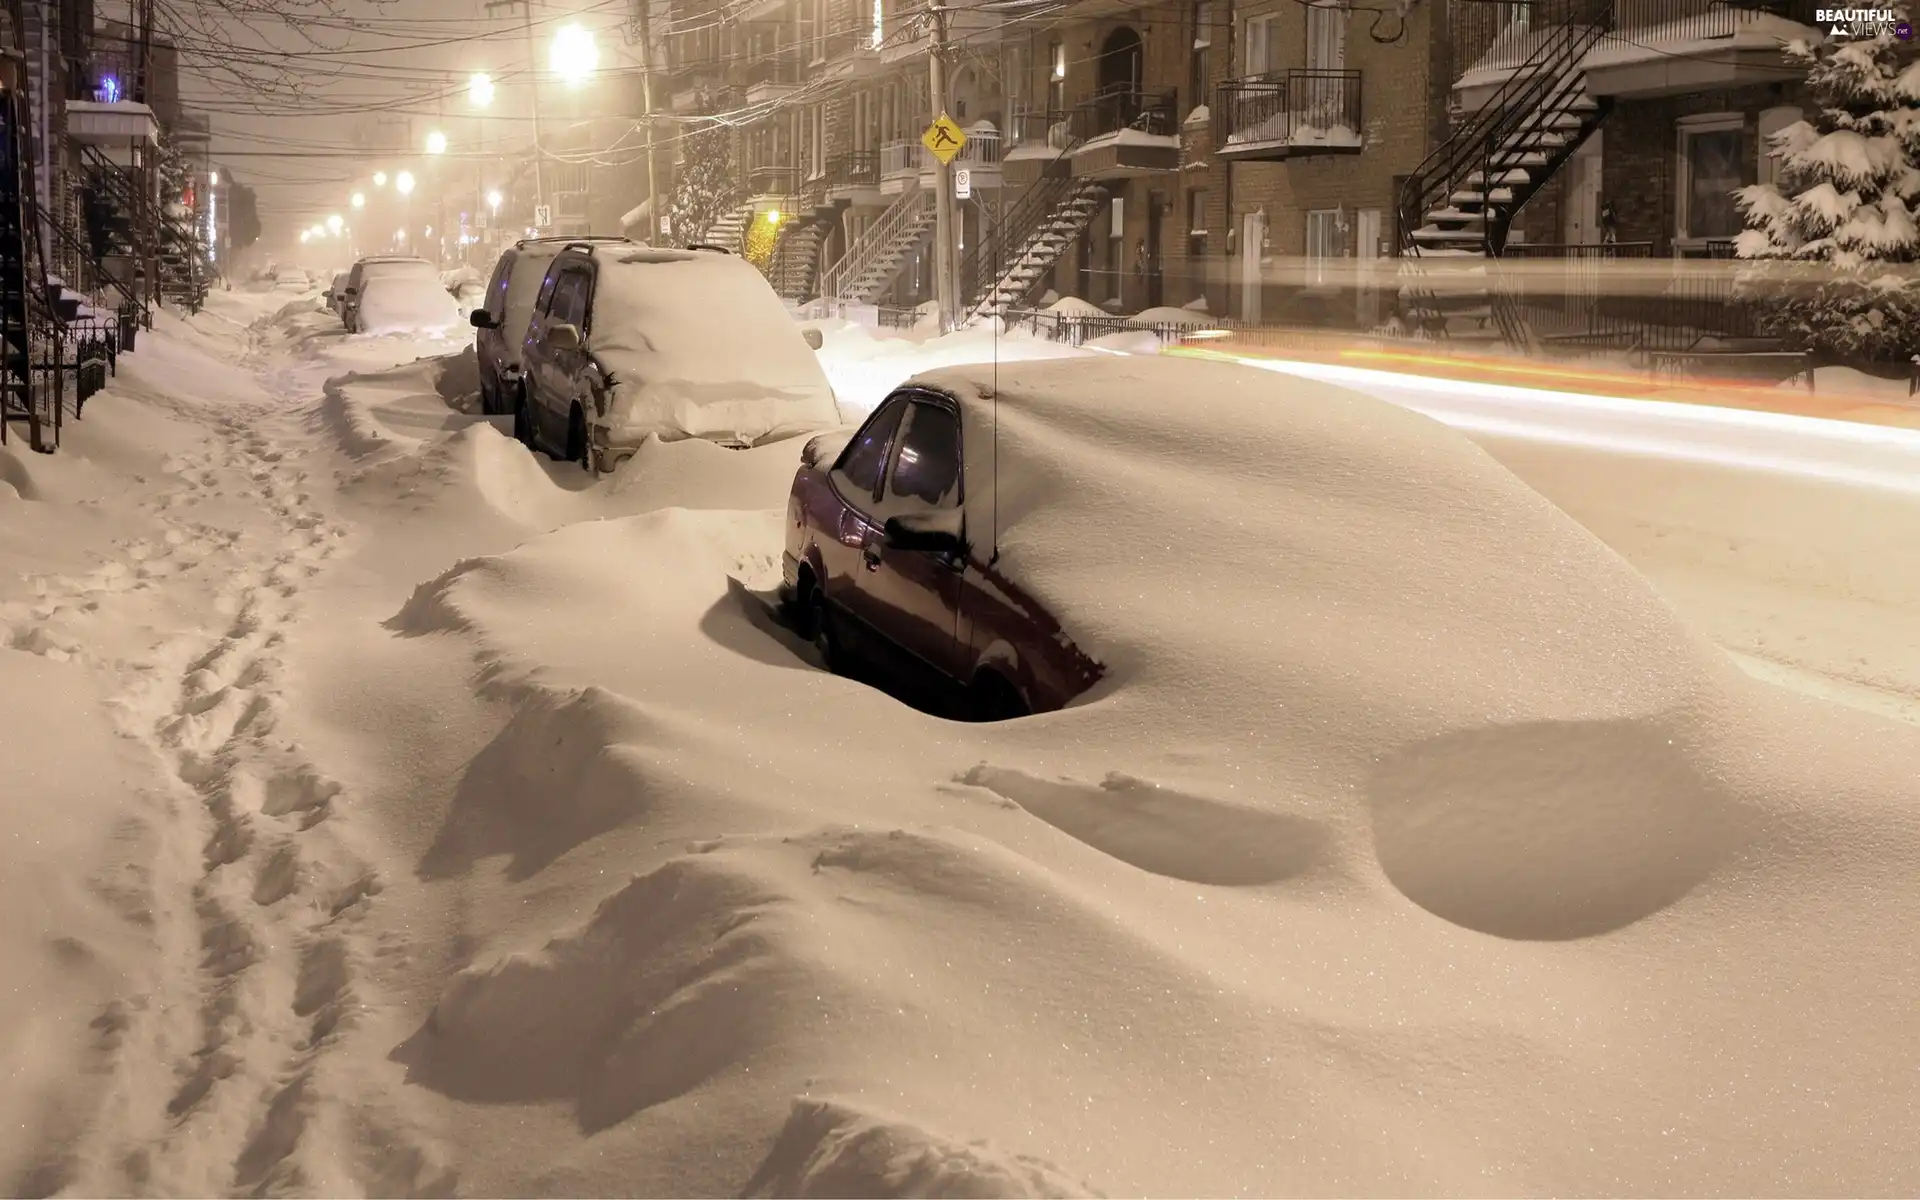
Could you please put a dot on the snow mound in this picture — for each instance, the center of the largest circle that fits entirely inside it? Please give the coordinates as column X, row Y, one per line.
column 1175, row 316
column 395, row 303
column 1074, row 306
column 829, row 1148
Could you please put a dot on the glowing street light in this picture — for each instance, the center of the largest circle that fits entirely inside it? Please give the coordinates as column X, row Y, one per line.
column 480, row 89
column 358, row 200
column 493, row 200
column 436, row 142
column 379, row 179
column 400, row 236
column 305, row 235
column 318, row 231
column 574, row 55
column 213, row 177
column 335, row 224
column 403, row 183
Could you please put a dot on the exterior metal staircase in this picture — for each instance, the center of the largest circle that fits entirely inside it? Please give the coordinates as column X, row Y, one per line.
column 875, row 258
column 1460, row 203
column 1004, row 270
column 796, row 257
column 185, row 274
column 730, row 228
column 30, row 386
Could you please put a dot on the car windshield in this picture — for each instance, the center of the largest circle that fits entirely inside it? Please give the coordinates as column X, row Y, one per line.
column 406, row 268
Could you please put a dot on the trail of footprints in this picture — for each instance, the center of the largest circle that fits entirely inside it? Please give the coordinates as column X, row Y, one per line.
column 271, row 904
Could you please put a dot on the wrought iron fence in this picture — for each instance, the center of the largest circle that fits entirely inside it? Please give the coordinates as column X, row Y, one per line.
column 859, row 168
column 1309, row 106
column 1051, row 128
column 1125, row 107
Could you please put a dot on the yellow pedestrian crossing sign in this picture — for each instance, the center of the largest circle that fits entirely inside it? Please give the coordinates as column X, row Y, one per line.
column 944, row 138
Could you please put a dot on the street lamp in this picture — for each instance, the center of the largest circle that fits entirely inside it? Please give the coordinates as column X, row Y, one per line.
column 403, row 183
column 480, row 89
column 379, row 179
column 436, row 142
column 335, row 224
column 574, row 56
column 358, row 200
column 493, row 201
column 305, row 235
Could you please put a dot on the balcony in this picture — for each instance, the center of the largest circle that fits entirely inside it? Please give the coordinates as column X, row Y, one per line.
column 773, row 77
column 1667, row 47
column 120, row 123
column 980, row 157
column 772, row 187
column 851, row 53
column 1289, row 114
column 1122, row 131
column 1036, row 145
column 900, row 162
column 854, row 178
column 1654, row 47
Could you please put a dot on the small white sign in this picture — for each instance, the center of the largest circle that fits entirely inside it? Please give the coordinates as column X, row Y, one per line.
column 666, row 226
column 962, row 183
column 543, row 215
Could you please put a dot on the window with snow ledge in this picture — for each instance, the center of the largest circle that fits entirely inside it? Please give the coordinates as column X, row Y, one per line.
column 1714, row 159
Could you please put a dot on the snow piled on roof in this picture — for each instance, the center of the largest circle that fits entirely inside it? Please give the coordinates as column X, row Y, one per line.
column 391, row 303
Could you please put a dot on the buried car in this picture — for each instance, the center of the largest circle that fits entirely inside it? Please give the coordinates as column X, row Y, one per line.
column 501, row 318
column 886, row 562
column 628, row 342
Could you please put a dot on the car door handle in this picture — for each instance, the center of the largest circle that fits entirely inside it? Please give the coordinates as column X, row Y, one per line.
column 871, row 556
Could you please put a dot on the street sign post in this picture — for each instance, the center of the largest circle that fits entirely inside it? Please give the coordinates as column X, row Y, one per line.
column 944, row 139
column 666, row 226
column 542, row 216
column 962, row 184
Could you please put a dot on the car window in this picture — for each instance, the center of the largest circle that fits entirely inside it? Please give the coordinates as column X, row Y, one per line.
column 569, row 301
column 541, row 302
column 497, row 288
column 861, row 466
column 926, row 469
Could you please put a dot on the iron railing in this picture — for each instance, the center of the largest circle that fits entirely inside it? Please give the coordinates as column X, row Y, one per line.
column 1122, row 107
column 1051, row 128
column 773, row 181
column 901, row 157
column 1304, row 107
column 860, row 168
column 1008, row 240
column 781, row 69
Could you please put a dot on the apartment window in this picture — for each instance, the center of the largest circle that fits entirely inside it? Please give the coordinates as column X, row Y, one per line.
column 879, row 23
column 1197, row 62
column 1772, row 122
column 807, row 29
column 1016, row 83
column 1324, row 242
column 1057, row 77
column 1715, row 159
column 1261, row 39
column 1197, row 223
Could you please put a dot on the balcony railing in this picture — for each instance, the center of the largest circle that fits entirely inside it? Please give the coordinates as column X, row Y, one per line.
column 773, row 181
column 1124, row 107
column 861, row 168
column 1299, row 108
column 847, row 43
column 901, row 157
column 778, row 70
column 1047, row 128
column 983, row 149
column 1499, row 35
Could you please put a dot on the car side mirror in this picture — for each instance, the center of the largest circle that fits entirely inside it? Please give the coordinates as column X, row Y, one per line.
column 482, row 319
column 930, row 533
column 562, row 335
column 813, row 337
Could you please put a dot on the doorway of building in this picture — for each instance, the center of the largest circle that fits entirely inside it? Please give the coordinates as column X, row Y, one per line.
column 1253, row 238
column 1151, row 267
column 1119, row 72
column 1580, row 215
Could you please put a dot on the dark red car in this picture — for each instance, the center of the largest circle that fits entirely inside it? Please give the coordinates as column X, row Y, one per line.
column 879, row 569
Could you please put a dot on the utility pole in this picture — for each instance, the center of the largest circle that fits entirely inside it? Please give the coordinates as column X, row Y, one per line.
column 654, row 213
column 943, row 222
column 533, row 76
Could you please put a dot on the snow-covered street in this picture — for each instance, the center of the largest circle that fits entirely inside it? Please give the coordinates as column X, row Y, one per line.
column 391, row 811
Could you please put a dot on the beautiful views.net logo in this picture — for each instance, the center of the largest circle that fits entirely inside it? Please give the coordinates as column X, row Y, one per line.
column 1863, row 23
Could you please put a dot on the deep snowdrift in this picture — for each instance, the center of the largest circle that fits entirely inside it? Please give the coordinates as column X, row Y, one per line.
column 1401, row 879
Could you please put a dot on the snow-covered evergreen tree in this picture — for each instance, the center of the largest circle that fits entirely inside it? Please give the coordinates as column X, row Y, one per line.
column 181, row 199
column 705, row 187
column 1844, row 205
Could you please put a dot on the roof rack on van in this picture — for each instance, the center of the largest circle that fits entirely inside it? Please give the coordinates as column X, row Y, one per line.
column 709, row 247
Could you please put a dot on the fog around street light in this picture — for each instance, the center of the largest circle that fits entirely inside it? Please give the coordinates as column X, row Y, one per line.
column 358, row 200
column 379, row 179
column 480, row 89
column 436, row 142
column 574, row 56
column 493, row 200
column 403, row 182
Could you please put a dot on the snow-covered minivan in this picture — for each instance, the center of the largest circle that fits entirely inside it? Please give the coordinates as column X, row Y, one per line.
column 628, row 342
column 500, row 323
